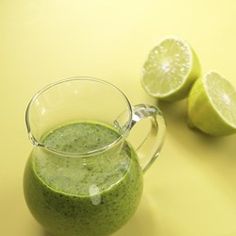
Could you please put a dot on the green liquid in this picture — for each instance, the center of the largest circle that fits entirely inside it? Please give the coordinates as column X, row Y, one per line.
column 76, row 196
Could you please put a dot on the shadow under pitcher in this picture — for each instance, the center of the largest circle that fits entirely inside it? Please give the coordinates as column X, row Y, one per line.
column 83, row 177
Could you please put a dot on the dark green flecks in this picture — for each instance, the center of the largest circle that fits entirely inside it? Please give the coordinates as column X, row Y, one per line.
column 74, row 137
column 79, row 197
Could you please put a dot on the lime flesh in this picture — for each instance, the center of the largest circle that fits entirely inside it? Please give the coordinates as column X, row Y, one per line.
column 170, row 70
column 212, row 105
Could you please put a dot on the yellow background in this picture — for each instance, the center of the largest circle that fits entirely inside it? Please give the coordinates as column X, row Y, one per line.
column 191, row 189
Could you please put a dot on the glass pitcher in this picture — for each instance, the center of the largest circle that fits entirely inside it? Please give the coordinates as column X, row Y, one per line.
column 83, row 176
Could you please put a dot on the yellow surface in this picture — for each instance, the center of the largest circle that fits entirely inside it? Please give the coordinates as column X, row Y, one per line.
column 191, row 190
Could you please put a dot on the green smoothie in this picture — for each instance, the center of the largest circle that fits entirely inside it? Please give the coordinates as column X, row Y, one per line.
column 73, row 195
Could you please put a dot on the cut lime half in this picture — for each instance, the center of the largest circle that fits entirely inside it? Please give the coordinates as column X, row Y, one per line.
column 170, row 70
column 212, row 105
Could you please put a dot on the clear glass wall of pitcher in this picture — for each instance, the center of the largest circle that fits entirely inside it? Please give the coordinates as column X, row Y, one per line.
column 83, row 178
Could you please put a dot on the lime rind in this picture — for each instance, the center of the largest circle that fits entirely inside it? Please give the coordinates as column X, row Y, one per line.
column 170, row 70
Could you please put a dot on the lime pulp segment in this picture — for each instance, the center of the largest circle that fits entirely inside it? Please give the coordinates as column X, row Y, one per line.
column 167, row 67
column 222, row 96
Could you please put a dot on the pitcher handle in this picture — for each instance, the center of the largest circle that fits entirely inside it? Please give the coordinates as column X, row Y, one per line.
column 155, row 136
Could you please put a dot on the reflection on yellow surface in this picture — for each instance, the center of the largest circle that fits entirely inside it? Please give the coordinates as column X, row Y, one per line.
column 191, row 190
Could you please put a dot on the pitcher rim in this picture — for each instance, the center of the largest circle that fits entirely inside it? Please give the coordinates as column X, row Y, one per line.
column 37, row 142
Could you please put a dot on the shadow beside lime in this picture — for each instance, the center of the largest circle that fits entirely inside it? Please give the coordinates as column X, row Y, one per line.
column 216, row 155
column 178, row 126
